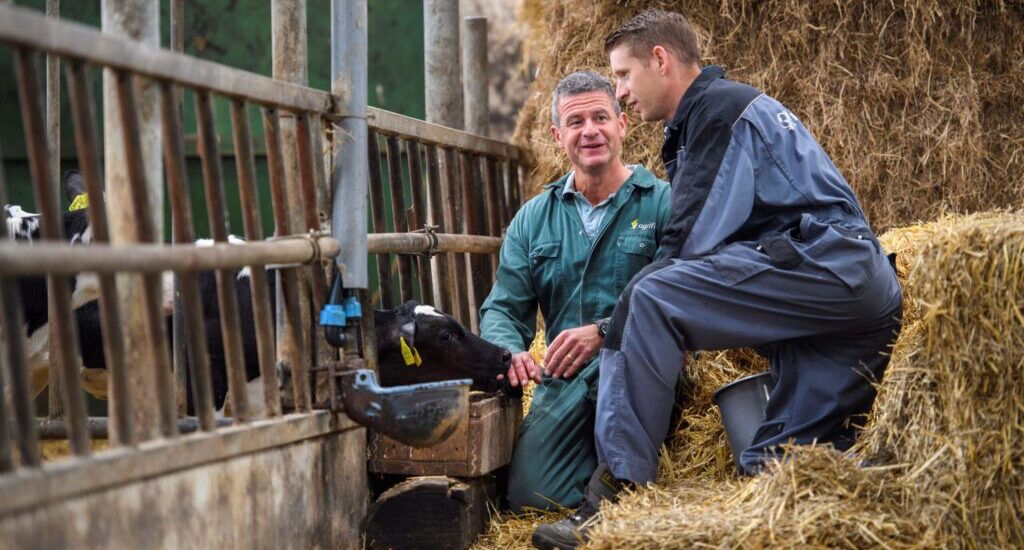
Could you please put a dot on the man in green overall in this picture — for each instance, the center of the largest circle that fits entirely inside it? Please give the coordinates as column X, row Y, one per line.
column 570, row 251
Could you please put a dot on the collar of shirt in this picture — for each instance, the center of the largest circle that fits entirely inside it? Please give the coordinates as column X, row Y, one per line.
column 673, row 128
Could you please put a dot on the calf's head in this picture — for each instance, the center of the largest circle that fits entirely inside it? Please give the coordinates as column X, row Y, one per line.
column 417, row 343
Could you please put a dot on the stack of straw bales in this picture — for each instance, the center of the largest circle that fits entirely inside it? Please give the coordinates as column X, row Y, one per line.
column 917, row 101
column 945, row 441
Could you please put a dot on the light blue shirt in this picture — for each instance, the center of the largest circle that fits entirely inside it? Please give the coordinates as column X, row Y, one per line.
column 590, row 214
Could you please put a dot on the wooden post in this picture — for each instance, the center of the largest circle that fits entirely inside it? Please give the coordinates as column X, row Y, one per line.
column 443, row 83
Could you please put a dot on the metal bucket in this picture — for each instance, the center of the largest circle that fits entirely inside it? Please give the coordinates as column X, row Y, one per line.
column 743, row 403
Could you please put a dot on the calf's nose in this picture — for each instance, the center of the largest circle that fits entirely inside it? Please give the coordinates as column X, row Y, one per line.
column 506, row 356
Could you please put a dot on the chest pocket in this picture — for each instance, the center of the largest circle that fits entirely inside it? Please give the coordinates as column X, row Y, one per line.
column 546, row 272
column 634, row 252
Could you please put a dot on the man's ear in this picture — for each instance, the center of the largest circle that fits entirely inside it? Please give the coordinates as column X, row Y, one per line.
column 660, row 56
column 556, row 135
column 623, row 123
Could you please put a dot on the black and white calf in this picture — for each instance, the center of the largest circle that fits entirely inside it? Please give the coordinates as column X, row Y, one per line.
column 445, row 349
column 417, row 343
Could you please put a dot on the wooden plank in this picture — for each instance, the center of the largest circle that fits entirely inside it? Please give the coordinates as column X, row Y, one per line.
column 430, row 512
column 22, row 26
column 477, row 447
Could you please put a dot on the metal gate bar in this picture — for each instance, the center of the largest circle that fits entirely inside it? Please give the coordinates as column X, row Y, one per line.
column 252, row 220
column 400, row 222
column 63, row 354
column 418, row 219
column 87, row 141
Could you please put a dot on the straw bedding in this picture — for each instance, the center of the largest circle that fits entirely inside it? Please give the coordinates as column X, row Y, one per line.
column 918, row 102
column 941, row 462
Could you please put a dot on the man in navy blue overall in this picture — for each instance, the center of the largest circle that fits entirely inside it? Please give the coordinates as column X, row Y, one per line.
column 766, row 247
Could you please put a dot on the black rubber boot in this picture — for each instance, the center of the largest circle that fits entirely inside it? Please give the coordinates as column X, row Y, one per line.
column 570, row 532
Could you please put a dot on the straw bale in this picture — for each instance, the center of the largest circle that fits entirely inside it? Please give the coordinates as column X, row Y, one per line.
column 816, row 498
column 951, row 406
column 918, row 102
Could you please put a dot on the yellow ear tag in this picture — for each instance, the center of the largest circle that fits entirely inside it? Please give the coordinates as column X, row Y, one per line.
column 410, row 354
column 81, row 202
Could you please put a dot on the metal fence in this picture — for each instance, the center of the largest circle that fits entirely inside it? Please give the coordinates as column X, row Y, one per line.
column 447, row 192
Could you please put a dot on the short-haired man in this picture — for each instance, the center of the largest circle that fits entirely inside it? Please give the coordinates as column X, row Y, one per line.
column 570, row 251
column 767, row 247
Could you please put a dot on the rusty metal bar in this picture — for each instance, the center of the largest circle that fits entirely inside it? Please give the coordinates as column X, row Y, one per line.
column 6, row 453
column 234, row 356
column 291, row 352
column 388, row 123
column 146, row 232
column 398, row 215
column 262, row 315
column 473, row 209
column 309, row 183
column 508, row 181
column 193, row 329
column 179, row 351
column 418, row 218
column 63, row 331
column 56, row 407
column 454, row 212
column 87, row 144
column 12, row 348
column 64, row 259
column 418, row 243
column 492, row 209
column 386, row 297
column 22, row 26
column 444, row 262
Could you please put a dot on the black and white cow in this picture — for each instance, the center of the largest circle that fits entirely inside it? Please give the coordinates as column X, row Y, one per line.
column 417, row 343
column 446, row 349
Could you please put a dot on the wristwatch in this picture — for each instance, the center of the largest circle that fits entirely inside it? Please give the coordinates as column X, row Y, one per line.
column 602, row 326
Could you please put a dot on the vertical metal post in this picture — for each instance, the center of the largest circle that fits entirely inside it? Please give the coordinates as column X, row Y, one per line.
column 55, row 407
column 398, row 214
column 444, row 263
column 443, row 78
column 63, row 330
column 87, row 143
column 179, row 352
column 349, row 171
column 376, row 184
column 474, row 74
column 12, row 354
column 245, row 166
column 137, row 20
column 417, row 219
column 288, row 28
column 187, row 284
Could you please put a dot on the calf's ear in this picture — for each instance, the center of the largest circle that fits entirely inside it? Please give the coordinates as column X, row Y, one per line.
column 408, row 331
column 74, row 185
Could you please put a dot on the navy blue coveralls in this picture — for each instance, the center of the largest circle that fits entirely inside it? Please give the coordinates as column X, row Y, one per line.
column 766, row 247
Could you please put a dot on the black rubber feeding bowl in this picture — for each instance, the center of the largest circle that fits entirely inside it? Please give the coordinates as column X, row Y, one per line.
column 743, row 403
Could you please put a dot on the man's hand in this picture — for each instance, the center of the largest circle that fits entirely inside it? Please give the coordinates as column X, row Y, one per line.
column 571, row 350
column 522, row 370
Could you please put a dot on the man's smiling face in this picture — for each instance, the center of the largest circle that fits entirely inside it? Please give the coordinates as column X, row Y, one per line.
column 589, row 131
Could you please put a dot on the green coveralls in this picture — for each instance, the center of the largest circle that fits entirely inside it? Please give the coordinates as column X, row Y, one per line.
column 548, row 261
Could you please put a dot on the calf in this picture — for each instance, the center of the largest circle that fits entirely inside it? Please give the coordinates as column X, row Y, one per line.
column 417, row 343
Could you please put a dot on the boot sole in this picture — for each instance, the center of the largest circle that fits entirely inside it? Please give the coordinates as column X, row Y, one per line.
column 545, row 543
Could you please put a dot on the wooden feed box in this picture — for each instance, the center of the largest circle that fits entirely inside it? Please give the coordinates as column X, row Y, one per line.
column 477, row 447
